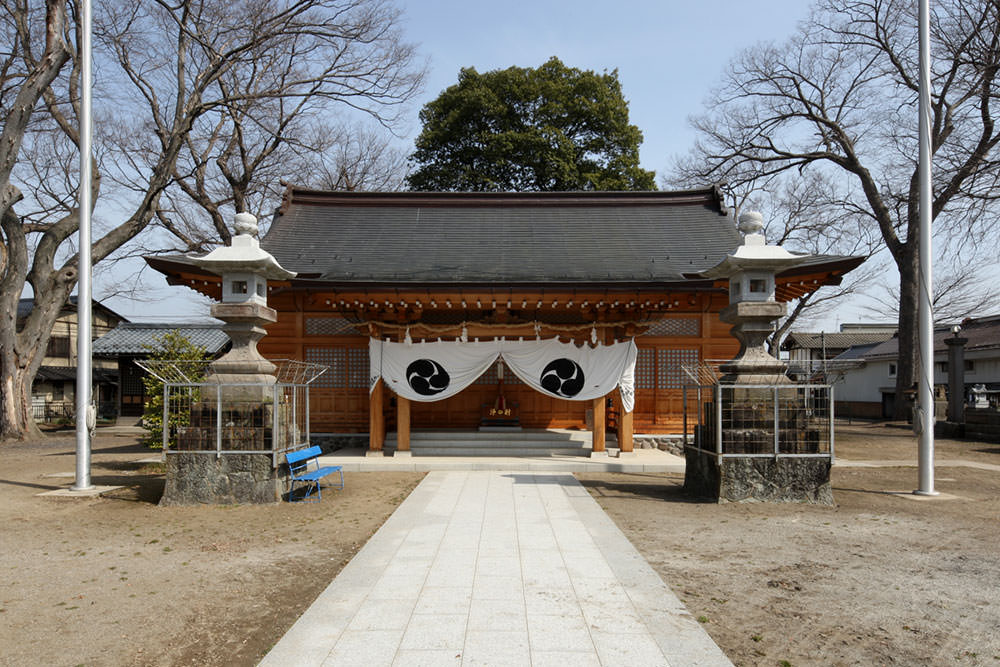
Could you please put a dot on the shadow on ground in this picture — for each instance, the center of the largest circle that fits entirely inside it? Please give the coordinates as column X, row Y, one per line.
column 131, row 448
column 645, row 486
column 143, row 488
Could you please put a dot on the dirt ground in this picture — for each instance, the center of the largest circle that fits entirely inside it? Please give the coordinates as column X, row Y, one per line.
column 119, row 580
column 881, row 578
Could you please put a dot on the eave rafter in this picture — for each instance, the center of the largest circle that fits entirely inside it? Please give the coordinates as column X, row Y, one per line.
column 504, row 306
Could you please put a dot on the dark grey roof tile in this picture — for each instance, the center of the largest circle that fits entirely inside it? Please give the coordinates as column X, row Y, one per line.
column 135, row 338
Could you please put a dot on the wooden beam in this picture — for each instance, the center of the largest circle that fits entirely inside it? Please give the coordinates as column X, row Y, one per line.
column 376, row 420
column 402, row 424
column 624, row 429
column 599, row 425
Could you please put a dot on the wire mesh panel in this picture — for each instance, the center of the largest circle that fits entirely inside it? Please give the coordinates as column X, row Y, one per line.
column 235, row 418
column 330, row 326
column 747, row 420
column 760, row 420
column 804, row 417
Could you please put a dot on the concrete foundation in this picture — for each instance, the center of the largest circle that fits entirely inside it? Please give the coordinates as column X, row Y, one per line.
column 757, row 479
column 195, row 478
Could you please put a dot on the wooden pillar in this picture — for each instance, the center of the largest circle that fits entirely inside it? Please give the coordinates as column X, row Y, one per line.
column 624, row 428
column 598, row 428
column 402, row 424
column 376, row 420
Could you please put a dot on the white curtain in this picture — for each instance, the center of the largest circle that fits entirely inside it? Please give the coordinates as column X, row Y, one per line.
column 438, row 370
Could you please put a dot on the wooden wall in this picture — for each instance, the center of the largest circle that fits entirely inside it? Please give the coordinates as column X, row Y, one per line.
column 339, row 400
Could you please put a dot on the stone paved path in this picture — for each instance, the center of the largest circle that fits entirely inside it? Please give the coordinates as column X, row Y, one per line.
column 497, row 568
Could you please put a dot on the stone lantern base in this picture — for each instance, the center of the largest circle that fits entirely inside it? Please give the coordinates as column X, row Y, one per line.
column 195, row 478
column 758, row 479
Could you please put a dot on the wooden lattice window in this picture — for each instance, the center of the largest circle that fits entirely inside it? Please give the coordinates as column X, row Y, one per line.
column 490, row 377
column 131, row 380
column 675, row 326
column 58, row 347
column 645, row 369
column 329, row 326
column 347, row 368
column 670, row 367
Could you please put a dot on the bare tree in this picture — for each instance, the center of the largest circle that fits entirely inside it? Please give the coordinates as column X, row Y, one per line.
column 358, row 158
column 170, row 72
column 803, row 214
column 840, row 97
column 963, row 291
column 286, row 122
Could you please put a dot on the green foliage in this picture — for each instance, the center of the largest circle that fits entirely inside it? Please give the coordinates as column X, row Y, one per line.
column 171, row 346
column 524, row 129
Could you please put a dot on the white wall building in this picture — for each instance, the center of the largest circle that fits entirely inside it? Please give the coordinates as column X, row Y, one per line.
column 867, row 385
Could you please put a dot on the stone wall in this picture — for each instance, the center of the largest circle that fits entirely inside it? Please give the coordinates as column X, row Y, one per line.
column 672, row 444
column 194, row 478
column 982, row 424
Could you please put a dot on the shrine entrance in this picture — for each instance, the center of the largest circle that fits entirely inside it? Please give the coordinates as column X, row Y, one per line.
column 498, row 397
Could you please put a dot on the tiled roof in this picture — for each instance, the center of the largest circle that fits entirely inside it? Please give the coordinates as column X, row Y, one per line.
column 832, row 341
column 508, row 238
column 982, row 333
column 137, row 337
column 25, row 306
column 855, row 352
column 424, row 239
column 68, row 374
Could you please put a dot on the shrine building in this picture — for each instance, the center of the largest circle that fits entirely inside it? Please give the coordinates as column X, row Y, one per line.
column 493, row 276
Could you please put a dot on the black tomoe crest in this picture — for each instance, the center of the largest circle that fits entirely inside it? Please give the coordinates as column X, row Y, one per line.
column 427, row 377
column 562, row 377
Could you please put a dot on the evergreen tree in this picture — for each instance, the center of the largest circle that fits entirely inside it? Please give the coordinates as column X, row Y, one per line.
column 187, row 358
column 526, row 129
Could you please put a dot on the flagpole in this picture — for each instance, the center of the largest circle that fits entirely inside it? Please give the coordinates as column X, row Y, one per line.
column 925, row 413
column 84, row 402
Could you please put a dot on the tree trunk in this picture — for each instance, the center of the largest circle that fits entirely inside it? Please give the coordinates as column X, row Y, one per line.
column 21, row 355
column 16, row 419
column 906, row 372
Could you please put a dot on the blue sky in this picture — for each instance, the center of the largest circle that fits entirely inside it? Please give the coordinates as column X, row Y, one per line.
column 668, row 55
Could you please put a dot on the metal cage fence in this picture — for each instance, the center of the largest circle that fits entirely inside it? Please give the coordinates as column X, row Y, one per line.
column 234, row 418
column 761, row 420
column 210, row 418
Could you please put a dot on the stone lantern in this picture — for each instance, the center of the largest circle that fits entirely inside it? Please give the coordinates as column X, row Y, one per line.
column 752, row 308
column 737, row 458
column 243, row 419
column 245, row 269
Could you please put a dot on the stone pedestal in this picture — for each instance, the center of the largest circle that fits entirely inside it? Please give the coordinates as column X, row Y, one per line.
column 956, row 378
column 757, row 479
column 196, row 478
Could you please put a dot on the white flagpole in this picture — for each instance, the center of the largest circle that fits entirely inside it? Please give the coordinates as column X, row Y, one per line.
column 925, row 413
column 83, row 312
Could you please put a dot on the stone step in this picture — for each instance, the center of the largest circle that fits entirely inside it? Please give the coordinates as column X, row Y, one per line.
column 494, row 435
column 489, row 451
column 498, row 443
